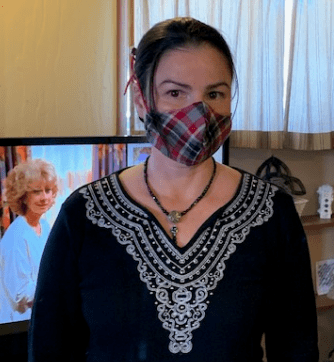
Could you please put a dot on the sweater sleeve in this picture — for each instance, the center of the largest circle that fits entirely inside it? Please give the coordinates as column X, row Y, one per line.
column 16, row 272
column 16, row 265
column 57, row 330
column 291, row 332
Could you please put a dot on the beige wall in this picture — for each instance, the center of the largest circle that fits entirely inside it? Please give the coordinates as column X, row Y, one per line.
column 57, row 68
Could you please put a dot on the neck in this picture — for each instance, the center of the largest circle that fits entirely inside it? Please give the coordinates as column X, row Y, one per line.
column 32, row 218
column 173, row 180
column 175, row 215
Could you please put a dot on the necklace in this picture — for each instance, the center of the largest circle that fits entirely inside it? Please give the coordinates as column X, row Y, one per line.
column 175, row 216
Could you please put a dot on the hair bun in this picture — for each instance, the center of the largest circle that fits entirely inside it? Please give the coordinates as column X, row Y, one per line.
column 133, row 52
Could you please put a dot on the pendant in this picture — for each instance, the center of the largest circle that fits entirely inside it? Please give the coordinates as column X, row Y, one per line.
column 174, row 230
column 174, row 216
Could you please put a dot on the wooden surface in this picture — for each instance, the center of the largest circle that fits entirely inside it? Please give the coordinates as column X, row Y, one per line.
column 324, row 303
column 313, row 222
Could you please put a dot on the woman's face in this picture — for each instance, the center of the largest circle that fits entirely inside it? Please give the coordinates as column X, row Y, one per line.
column 39, row 197
column 193, row 74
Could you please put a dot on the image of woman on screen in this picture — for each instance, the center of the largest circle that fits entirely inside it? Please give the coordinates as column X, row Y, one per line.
column 30, row 190
column 178, row 258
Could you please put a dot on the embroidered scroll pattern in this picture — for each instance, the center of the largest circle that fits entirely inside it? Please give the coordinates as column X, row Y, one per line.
column 181, row 281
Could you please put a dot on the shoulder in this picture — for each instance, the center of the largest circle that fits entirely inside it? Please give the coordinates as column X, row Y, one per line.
column 277, row 190
column 132, row 180
column 272, row 209
column 18, row 224
column 280, row 201
column 14, row 233
column 95, row 188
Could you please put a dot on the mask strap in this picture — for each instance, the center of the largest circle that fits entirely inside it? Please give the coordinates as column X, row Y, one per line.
column 134, row 78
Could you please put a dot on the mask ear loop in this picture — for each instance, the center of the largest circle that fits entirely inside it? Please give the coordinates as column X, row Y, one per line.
column 134, row 78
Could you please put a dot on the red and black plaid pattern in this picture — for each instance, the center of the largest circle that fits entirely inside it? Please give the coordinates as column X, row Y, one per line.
column 189, row 135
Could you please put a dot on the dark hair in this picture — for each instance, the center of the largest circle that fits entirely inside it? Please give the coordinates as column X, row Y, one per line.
column 171, row 34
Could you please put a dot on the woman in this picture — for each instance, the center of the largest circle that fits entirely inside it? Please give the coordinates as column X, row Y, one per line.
column 179, row 258
column 30, row 190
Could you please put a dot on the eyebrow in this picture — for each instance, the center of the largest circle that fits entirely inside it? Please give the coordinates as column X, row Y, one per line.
column 187, row 86
column 168, row 81
column 218, row 85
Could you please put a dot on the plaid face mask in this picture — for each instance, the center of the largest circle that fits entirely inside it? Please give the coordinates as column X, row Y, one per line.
column 189, row 135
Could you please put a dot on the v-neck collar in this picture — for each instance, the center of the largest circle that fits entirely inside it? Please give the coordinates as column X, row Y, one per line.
column 198, row 234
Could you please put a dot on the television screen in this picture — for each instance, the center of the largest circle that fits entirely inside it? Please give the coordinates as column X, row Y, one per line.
column 76, row 161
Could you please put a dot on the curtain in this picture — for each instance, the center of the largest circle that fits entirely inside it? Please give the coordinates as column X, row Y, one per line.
column 108, row 159
column 276, row 107
column 9, row 158
column 310, row 93
column 255, row 32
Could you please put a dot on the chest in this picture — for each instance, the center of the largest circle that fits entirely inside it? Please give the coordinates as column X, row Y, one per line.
column 189, row 224
column 191, row 221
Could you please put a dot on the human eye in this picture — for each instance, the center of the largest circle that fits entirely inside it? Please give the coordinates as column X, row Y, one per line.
column 216, row 95
column 174, row 93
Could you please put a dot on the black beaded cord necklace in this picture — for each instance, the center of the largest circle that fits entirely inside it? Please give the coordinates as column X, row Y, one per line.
column 175, row 216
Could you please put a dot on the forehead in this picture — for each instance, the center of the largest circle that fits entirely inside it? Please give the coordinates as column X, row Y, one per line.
column 38, row 184
column 194, row 64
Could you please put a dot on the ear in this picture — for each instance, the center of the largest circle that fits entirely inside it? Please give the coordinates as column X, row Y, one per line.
column 138, row 100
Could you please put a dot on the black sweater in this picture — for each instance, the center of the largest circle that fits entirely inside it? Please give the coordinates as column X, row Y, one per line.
column 113, row 287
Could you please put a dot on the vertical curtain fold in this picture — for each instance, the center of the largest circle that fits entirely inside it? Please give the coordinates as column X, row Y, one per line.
column 257, row 41
column 108, row 159
column 310, row 91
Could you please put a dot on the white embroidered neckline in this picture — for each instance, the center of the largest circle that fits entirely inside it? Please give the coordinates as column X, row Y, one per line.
column 181, row 279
